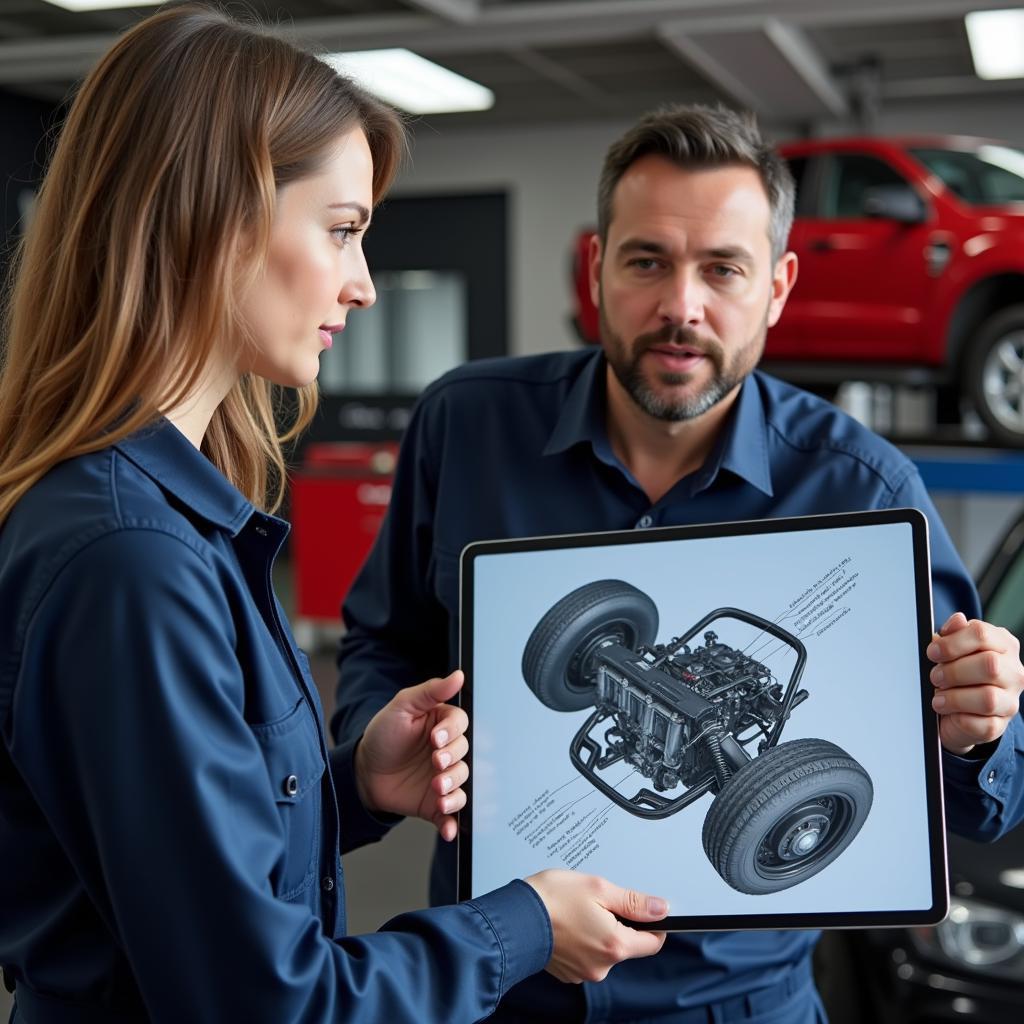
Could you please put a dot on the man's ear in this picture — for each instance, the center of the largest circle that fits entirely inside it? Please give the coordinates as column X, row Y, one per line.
column 783, row 280
column 594, row 264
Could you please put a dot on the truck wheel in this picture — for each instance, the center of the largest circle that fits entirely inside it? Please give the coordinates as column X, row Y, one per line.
column 558, row 662
column 995, row 374
column 786, row 815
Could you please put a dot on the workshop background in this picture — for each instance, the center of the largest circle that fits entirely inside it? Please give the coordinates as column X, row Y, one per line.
column 473, row 256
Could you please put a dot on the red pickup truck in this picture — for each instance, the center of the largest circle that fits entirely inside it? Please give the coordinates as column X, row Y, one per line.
column 911, row 271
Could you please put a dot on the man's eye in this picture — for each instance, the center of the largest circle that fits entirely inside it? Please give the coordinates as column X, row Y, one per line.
column 643, row 263
column 721, row 270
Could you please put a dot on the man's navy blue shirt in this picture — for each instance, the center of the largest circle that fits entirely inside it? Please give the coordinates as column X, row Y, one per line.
column 519, row 447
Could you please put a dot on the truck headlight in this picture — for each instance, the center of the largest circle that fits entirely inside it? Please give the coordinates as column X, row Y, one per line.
column 978, row 937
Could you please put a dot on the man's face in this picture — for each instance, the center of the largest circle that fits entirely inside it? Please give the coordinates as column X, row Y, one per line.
column 686, row 285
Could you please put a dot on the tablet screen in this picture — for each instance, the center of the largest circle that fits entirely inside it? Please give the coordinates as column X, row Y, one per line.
column 736, row 718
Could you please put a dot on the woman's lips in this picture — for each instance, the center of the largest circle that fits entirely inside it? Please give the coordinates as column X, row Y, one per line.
column 326, row 332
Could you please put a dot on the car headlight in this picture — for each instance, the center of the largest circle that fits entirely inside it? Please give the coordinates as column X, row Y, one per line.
column 977, row 937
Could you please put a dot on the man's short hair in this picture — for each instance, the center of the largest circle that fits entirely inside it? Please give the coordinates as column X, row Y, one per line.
column 702, row 138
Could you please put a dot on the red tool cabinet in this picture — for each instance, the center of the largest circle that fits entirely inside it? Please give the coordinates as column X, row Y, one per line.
column 338, row 501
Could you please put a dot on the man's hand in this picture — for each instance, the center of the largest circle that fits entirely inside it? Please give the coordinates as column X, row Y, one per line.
column 978, row 679
column 410, row 759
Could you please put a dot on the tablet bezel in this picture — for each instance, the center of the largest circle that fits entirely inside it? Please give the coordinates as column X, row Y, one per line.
column 931, row 745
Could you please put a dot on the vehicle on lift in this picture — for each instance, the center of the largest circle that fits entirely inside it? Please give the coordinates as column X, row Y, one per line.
column 911, row 272
column 911, row 269
column 682, row 715
column 970, row 968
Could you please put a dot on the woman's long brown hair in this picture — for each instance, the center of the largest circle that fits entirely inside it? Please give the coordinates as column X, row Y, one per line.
column 155, row 211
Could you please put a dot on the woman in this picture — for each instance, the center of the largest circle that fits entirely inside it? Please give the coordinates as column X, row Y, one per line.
column 170, row 810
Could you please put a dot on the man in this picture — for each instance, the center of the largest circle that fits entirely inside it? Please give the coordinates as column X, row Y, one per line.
column 667, row 424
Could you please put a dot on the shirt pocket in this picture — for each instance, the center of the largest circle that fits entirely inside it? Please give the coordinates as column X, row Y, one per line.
column 295, row 766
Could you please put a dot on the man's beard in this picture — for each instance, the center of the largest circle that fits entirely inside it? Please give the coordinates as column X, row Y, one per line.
column 625, row 363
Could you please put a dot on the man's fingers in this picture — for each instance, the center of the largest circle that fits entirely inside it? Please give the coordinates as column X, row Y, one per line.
column 978, row 669
column 983, row 701
column 956, row 621
column 960, row 732
column 973, row 636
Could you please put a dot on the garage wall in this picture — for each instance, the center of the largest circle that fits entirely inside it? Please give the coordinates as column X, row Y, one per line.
column 996, row 117
column 551, row 178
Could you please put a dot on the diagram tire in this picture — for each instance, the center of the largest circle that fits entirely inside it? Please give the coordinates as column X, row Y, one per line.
column 558, row 663
column 786, row 815
column 995, row 375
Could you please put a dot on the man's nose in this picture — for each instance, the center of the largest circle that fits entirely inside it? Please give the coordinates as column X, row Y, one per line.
column 682, row 300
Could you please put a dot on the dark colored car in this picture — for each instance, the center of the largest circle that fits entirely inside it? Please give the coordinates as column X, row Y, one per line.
column 970, row 968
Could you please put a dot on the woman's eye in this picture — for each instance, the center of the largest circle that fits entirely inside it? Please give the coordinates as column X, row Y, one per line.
column 344, row 235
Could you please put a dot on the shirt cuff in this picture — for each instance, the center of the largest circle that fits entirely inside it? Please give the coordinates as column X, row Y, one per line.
column 522, row 926
column 992, row 775
column 358, row 825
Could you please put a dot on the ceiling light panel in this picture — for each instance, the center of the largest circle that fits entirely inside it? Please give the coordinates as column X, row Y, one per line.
column 412, row 83
column 997, row 43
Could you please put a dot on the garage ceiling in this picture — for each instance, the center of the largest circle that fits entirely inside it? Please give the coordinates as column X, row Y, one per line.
column 550, row 61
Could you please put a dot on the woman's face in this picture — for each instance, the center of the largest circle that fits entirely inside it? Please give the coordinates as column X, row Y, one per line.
column 315, row 270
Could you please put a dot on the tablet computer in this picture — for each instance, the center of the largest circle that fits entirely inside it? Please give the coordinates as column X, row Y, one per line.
column 736, row 717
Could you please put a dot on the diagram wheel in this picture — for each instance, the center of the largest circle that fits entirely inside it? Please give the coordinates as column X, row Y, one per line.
column 786, row 815
column 558, row 660
column 995, row 374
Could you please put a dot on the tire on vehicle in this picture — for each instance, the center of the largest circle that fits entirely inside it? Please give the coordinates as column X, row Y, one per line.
column 558, row 663
column 786, row 815
column 995, row 374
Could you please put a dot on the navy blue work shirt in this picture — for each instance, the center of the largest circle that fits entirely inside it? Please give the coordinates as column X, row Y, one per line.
column 169, row 836
column 519, row 447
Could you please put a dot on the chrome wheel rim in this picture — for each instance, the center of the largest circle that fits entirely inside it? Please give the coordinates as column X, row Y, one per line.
column 1002, row 382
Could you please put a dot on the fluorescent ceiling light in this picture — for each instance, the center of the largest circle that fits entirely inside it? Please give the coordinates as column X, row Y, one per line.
column 102, row 5
column 411, row 83
column 997, row 43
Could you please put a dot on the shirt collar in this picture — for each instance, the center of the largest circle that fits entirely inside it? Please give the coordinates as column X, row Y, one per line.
column 164, row 454
column 583, row 412
column 743, row 448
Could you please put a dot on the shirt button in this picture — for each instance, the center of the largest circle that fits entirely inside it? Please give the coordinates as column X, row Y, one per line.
column 643, row 522
column 992, row 776
column 328, row 884
column 291, row 785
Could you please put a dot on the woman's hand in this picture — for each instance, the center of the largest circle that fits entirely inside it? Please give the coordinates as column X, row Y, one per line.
column 589, row 939
column 410, row 759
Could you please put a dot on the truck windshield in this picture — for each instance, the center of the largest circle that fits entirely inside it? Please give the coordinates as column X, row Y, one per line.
column 986, row 175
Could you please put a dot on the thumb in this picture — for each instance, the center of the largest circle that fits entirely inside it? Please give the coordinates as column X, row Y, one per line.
column 636, row 906
column 428, row 695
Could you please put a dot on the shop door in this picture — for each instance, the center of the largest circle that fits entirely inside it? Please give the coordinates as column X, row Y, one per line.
column 439, row 264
